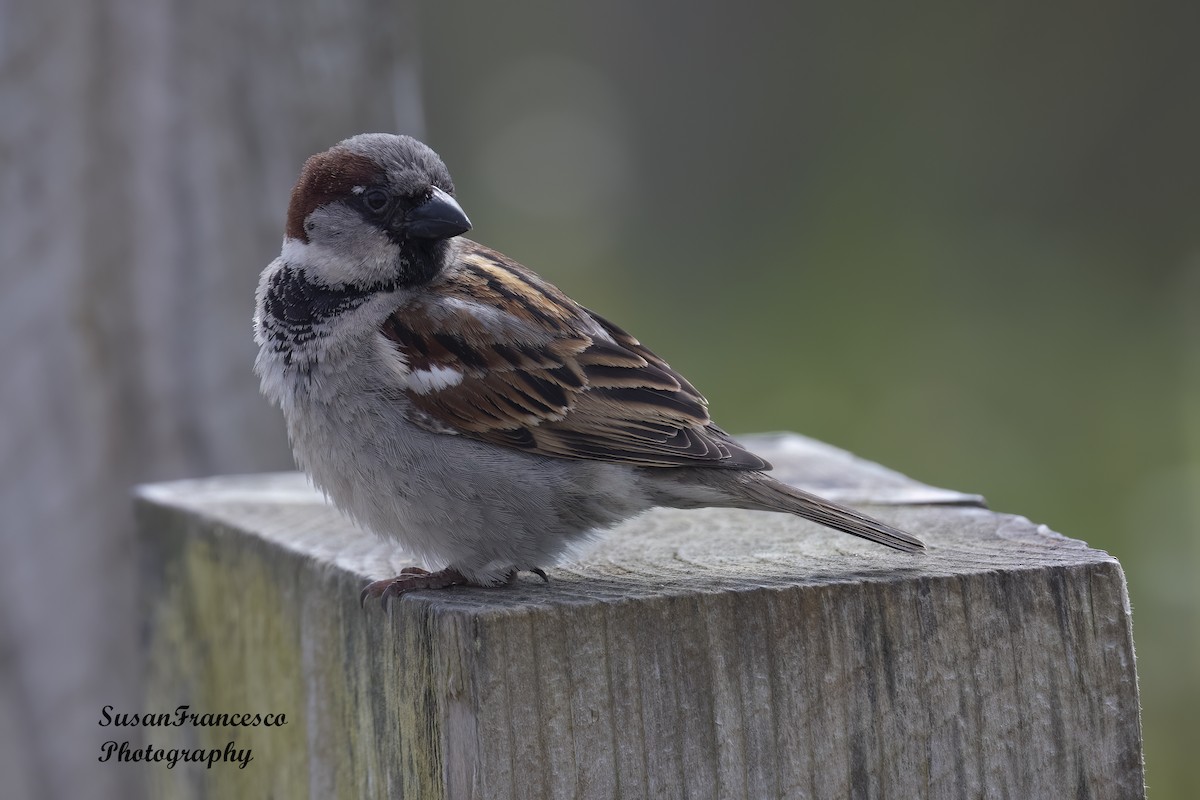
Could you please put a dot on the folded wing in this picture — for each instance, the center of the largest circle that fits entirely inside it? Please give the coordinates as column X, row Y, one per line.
column 500, row 355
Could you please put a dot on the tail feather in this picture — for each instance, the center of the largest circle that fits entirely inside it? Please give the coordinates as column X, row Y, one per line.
column 767, row 494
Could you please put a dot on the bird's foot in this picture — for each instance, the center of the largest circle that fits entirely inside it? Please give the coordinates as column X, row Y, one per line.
column 413, row 579
column 511, row 577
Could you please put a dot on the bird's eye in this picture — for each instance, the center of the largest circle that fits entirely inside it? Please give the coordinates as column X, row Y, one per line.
column 376, row 200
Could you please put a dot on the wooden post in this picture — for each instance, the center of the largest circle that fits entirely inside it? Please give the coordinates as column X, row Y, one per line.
column 699, row 654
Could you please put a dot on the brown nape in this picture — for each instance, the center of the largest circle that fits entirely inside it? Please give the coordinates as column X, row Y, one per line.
column 327, row 177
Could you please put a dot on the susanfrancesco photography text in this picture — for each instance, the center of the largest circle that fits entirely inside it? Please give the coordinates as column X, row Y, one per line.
column 127, row 751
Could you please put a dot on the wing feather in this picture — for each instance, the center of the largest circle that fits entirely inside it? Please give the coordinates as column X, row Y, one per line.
column 544, row 375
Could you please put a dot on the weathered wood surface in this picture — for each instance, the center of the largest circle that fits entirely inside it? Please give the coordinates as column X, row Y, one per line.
column 697, row 654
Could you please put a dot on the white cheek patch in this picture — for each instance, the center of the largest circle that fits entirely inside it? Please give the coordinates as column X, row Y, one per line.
column 294, row 251
column 342, row 248
column 316, row 260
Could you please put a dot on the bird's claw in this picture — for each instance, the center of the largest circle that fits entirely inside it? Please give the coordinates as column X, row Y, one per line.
column 410, row 579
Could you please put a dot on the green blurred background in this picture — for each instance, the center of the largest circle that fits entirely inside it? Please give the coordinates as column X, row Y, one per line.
column 958, row 239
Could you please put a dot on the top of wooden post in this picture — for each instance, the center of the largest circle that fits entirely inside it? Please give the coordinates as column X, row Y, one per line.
column 669, row 552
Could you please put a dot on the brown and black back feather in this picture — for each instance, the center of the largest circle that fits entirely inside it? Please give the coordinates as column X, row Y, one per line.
column 542, row 374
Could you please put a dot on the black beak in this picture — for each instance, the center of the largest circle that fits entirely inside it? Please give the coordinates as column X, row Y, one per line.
column 439, row 217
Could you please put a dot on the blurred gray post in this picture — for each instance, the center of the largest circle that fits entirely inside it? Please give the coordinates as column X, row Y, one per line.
column 147, row 152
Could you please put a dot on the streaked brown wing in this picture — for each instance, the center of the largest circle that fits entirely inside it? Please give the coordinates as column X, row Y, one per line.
column 547, row 376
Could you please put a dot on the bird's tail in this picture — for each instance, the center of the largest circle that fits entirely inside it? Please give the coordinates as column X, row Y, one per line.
column 767, row 494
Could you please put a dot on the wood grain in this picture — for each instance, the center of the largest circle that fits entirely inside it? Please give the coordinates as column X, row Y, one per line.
column 715, row 653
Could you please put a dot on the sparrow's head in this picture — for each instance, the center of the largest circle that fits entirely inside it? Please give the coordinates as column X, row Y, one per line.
column 375, row 209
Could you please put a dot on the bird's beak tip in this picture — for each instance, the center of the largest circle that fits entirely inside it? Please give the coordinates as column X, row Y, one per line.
column 439, row 217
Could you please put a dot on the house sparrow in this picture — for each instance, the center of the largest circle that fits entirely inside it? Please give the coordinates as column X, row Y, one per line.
column 445, row 396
